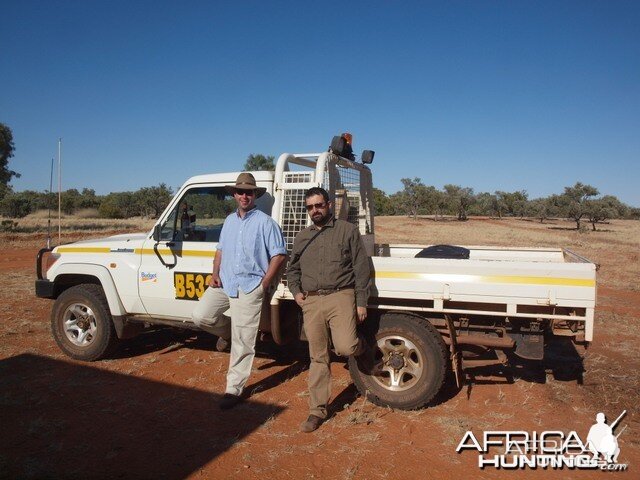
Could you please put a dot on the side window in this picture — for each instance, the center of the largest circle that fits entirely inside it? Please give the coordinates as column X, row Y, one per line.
column 199, row 215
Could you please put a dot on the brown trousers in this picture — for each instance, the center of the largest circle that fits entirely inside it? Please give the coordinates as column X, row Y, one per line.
column 328, row 317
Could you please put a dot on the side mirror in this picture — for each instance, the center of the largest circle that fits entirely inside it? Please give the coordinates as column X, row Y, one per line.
column 157, row 230
column 367, row 156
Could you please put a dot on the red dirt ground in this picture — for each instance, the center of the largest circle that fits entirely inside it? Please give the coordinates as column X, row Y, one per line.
column 151, row 410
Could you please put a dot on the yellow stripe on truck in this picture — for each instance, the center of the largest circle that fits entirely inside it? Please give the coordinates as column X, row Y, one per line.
column 182, row 253
column 83, row 250
column 139, row 251
column 436, row 277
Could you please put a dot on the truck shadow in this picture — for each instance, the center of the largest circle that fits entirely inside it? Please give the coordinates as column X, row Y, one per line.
column 163, row 340
column 65, row 420
column 561, row 361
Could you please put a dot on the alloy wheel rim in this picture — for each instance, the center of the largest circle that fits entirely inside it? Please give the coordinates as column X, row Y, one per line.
column 79, row 324
column 399, row 363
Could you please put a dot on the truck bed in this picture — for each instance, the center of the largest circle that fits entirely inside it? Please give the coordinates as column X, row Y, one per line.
column 547, row 283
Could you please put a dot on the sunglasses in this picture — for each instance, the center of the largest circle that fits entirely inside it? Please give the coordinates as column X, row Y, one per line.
column 317, row 206
column 248, row 193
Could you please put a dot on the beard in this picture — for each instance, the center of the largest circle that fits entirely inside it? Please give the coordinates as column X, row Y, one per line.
column 319, row 219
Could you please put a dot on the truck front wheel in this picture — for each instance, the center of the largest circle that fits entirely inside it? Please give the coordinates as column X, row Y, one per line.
column 410, row 363
column 81, row 323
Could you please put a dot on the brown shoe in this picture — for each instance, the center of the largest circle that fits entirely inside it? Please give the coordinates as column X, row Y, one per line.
column 310, row 424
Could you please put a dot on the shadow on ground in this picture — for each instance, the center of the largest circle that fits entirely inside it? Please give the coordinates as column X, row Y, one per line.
column 163, row 340
column 561, row 360
column 64, row 420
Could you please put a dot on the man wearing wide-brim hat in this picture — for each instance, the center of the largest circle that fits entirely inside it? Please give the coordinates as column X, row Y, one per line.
column 248, row 258
column 246, row 181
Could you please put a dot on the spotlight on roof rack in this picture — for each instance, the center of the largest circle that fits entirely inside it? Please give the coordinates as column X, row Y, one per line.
column 367, row 156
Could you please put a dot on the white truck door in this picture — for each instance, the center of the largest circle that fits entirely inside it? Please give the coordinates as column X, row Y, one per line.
column 174, row 271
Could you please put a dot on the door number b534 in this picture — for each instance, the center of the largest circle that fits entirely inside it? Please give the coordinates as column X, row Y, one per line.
column 190, row 286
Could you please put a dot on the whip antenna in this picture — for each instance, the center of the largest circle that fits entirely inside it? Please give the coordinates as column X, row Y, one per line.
column 49, row 205
column 59, row 191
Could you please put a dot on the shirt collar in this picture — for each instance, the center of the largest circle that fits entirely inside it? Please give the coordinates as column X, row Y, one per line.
column 250, row 212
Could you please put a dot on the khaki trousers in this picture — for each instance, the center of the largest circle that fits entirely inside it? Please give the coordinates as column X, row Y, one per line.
column 245, row 319
column 328, row 317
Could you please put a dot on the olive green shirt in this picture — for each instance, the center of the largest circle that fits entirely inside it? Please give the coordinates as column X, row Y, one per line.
column 336, row 258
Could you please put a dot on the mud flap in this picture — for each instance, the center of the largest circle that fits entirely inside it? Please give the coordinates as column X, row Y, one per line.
column 529, row 346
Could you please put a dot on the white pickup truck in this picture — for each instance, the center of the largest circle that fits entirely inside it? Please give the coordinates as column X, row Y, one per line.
column 428, row 306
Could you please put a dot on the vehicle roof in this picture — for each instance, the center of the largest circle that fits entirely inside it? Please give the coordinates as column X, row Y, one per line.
column 229, row 177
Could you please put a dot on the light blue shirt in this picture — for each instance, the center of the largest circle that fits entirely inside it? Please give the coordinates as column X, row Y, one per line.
column 248, row 244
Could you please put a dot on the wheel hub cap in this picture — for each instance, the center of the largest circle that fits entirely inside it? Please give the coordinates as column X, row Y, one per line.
column 79, row 324
column 402, row 365
column 396, row 361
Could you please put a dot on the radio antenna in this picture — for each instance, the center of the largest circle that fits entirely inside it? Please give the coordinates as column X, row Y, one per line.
column 49, row 203
column 59, row 191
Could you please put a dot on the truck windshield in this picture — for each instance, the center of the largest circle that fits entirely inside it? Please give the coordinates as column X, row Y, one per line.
column 199, row 215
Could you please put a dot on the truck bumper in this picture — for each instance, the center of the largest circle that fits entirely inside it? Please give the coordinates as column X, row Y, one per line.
column 44, row 288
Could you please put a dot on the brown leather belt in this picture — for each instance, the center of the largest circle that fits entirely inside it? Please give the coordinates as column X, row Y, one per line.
column 325, row 291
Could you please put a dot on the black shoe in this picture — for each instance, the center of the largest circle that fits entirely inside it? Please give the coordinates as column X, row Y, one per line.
column 310, row 424
column 229, row 400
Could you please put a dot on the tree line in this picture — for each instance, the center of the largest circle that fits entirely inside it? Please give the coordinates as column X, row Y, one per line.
column 580, row 202
column 145, row 202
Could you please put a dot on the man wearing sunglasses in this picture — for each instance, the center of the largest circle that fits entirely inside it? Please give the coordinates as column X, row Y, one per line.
column 248, row 258
column 329, row 276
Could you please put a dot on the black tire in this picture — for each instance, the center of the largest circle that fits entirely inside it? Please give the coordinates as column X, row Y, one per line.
column 81, row 323
column 415, row 348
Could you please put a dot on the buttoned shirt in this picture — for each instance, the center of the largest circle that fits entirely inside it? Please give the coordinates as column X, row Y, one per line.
column 336, row 258
column 248, row 243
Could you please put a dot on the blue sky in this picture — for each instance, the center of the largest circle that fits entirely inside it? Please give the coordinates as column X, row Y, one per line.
column 507, row 95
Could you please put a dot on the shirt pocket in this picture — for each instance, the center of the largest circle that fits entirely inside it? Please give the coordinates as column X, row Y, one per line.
column 338, row 253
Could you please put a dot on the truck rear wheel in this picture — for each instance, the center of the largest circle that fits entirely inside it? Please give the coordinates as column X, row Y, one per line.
column 81, row 323
column 410, row 363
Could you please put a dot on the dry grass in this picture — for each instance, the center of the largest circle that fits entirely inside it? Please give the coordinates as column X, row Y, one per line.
column 82, row 221
column 79, row 214
column 32, row 230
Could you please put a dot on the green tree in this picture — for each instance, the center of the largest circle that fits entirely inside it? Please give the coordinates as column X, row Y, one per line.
column 118, row 205
column 382, row 204
column 574, row 201
column 513, row 204
column 459, row 199
column 543, row 208
column 256, row 162
column 69, row 200
column 16, row 205
column 6, row 152
column 605, row 208
column 633, row 213
column 410, row 200
column 430, row 200
column 485, row 204
column 151, row 201
column 88, row 199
